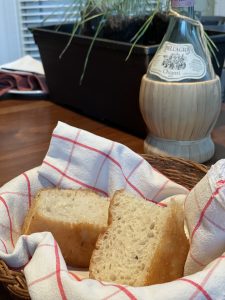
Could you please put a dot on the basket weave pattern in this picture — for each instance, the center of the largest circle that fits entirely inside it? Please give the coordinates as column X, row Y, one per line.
column 186, row 173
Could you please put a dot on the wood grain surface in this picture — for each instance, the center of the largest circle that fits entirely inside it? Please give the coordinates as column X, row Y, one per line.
column 26, row 127
column 25, row 132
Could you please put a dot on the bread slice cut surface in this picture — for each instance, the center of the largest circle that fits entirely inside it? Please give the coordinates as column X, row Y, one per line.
column 74, row 217
column 144, row 244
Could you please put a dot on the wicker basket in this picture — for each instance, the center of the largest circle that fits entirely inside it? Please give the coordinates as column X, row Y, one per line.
column 186, row 173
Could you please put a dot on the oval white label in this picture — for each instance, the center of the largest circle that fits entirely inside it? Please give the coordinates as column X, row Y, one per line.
column 175, row 62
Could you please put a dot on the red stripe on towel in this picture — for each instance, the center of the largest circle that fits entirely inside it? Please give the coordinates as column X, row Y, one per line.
column 121, row 288
column 58, row 276
column 126, row 291
column 28, row 188
column 41, row 279
column 113, row 294
column 4, row 245
column 70, row 157
column 75, row 276
column 196, row 261
column 198, row 286
column 15, row 193
column 103, row 162
column 160, row 190
column 208, row 276
column 75, row 180
column 10, row 220
column 204, row 211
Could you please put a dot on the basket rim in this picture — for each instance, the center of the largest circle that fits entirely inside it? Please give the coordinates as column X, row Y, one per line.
column 202, row 167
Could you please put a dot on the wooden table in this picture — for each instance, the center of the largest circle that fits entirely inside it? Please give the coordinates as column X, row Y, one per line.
column 25, row 132
column 26, row 127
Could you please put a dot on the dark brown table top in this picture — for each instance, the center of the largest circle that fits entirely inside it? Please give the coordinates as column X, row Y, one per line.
column 25, row 132
column 26, row 127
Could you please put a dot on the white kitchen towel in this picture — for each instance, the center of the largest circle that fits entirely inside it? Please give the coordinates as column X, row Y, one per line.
column 25, row 64
column 77, row 158
column 205, row 219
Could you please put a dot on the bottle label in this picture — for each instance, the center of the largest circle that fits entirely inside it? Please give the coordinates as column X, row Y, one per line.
column 182, row 3
column 175, row 62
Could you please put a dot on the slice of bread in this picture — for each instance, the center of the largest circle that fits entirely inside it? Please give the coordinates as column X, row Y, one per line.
column 74, row 217
column 144, row 243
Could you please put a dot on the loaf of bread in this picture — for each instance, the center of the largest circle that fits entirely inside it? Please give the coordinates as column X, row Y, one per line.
column 144, row 243
column 74, row 217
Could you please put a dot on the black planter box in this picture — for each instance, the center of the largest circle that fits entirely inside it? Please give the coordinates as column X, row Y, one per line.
column 110, row 88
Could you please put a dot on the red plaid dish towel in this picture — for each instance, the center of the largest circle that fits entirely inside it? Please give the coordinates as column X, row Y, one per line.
column 21, row 81
column 77, row 158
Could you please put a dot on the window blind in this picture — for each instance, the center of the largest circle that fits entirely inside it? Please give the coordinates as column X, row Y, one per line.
column 43, row 12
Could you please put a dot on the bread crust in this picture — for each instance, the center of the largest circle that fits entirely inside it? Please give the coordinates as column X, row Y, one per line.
column 76, row 240
column 169, row 257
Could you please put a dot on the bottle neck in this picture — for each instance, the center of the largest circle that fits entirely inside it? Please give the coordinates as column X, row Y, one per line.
column 184, row 7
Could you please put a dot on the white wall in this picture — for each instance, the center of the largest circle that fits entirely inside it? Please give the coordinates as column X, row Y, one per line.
column 205, row 6
column 219, row 8
column 10, row 42
column 211, row 7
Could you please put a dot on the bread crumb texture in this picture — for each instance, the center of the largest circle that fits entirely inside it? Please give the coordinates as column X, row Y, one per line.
column 144, row 243
column 74, row 217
